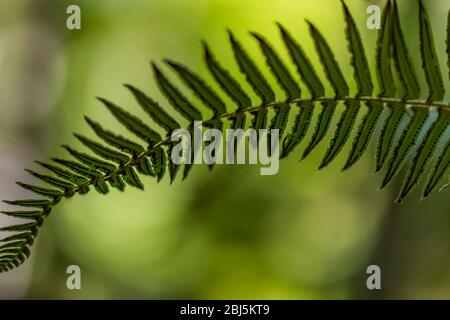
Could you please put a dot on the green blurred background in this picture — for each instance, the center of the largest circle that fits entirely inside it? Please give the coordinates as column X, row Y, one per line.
column 228, row 234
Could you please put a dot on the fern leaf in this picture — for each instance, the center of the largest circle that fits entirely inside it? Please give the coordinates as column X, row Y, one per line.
column 329, row 63
column 20, row 227
column 102, row 151
column 23, row 214
column 132, row 178
column 56, row 182
column 120, row 161
column 78, row 168
column 424, row 154
column 385, row 80
column 433, row 77
column 364, row 134
column 436, row 92
column 145, row 167
column 154, row 110
column 304, row 66
column 365, row 88
column 176, row 99
column 409, row 83
column 255, row 79
column 359, row 59
column 429, row 58
column 194, row 148
column 322, row 126
column 93, row 163
column 301, row 125
column 402, row 59
column 159, row 163
column 383, row 54
column 226, row 81
column 290, row 87
column 280, row 119
column 278, row 69
column 33, row 203
column 251, row 72
column 200, row 89
column 132, row 123
column 438, row 172
column 63, row 174
column 101, row 186
column 26, row 236
column 117, row 141
column 442, row 164
column 14, row 244
column 46, row 192
column 117, row 182
column 407, row 142
column 448, row 43
column 172, row 167
column 16, row 251
column 337, row 81
column 344, row 128
column 387, row 135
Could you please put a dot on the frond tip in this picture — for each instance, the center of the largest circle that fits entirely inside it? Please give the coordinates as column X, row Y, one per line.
column 116, row 161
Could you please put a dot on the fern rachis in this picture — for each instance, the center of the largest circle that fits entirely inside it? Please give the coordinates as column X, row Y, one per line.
column 118, row 160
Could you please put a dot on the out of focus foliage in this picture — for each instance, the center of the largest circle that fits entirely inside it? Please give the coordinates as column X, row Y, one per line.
column 227, row 234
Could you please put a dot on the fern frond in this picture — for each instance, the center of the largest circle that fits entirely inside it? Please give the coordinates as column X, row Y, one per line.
column 117, row 161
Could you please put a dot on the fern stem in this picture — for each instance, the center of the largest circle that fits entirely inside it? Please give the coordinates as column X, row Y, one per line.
column 152, row 149
column 405, row 102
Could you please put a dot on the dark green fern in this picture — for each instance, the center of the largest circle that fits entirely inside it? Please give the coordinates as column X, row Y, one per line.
column 119, row 161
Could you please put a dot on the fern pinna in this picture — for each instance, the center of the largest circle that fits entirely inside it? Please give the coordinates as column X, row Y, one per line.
column 121, row 162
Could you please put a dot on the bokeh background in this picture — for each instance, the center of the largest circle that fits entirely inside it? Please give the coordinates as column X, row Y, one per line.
column 228, row 234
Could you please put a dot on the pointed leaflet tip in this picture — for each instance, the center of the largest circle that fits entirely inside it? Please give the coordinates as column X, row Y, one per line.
column 206, row 48
column 100, row 99
column 156, row 69
column 399, row 200
column 90, row 122
column 107, row 103
column 345, row 7
column 256, row 35
column 310, row 24
column 347, row 165
column 153, row 65
column 427, row 191
column 131, row 88
column 282, row 29
column 207, row 51
column 172, row 63
column 388, row 5
column 65, row 147
column 231, row 36
column 448, row 41
column 78, row 136
column 312, row 28
column 378, row 167
column 39, row 162
column 386, row 180
column 348, row 15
